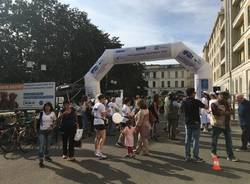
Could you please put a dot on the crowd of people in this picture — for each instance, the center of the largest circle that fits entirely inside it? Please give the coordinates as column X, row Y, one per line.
column 140, row 123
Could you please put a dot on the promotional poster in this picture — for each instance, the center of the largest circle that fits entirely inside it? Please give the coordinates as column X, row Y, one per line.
column 26, row 96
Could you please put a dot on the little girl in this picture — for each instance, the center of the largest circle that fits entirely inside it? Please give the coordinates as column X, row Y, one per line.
column 129, row 132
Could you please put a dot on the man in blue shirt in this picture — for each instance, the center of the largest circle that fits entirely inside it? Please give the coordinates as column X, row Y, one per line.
column 244, row 117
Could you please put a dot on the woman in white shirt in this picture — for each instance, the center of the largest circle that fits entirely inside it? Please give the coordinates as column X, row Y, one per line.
column 126, row 114
column 47, row 120
column 100, row 114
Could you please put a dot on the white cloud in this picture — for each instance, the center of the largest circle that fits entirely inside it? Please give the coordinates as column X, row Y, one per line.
column 132, row 30
column 146, row 22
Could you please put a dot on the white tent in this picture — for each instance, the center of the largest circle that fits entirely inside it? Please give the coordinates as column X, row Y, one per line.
column 185, row 56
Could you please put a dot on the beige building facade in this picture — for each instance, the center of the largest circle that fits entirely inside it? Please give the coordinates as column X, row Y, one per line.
column 167, row 78
column 228, row 48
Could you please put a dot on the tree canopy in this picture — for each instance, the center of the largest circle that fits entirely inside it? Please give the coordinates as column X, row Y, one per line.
column 47, row 32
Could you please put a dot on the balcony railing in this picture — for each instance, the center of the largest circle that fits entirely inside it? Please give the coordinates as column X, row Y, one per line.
column 238, row 45
column 239, row 18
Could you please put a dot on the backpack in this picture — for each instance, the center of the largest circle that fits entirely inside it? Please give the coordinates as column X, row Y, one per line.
column 172, row 111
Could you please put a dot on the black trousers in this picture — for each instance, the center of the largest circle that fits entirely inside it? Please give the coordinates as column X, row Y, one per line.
column 68, row 143
column 245, row 136
column 79, row 121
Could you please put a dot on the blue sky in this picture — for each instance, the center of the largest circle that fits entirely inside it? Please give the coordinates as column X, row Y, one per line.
column 146, row 22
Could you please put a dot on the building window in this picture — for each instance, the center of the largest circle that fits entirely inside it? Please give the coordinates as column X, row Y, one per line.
column 236, row 86
column 176, row 74
column 248, row 15
column 240, row 85
column 162, row 84
column 169, row 74
column 154, row 85
column 241, row 4
column 223, row 69
column 176, row 84
column 248, row 48
column 169, row 84
column 242, row 29
column 242, row 56
column 233, row 87
column 162, row 75
column 154, row 75
column 182, row 74
column 182, row 84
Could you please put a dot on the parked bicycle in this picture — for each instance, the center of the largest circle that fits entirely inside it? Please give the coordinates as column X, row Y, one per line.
column 5, row 136
column 18, row 136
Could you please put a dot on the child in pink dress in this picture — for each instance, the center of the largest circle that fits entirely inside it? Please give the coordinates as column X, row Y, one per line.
column 129, row 132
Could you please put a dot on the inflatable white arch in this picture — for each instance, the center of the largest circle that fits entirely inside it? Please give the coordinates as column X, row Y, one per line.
column 185, row 56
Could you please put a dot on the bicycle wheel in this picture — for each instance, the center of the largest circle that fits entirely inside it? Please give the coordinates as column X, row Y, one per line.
column 6, row 141
column 27, row 142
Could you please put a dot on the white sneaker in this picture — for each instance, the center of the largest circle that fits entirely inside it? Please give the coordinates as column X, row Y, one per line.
column 205, row 130
column 103, row 156
column 98, row 154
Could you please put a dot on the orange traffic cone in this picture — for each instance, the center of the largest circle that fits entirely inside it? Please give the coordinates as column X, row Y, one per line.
column 216, row 164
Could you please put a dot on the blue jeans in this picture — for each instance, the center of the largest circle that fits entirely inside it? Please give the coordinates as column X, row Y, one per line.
column 85, row 124
column 44, row 143
column 228, row 139
column 111, row 126
column 245, row 136
column 192, row 137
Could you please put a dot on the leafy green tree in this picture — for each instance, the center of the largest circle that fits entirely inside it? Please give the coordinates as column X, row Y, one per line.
column 46, row 32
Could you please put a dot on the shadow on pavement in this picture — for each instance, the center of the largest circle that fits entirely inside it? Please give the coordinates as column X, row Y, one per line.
column 73, row 174
column 198, row 167
column 166, row 169
column 108, row 173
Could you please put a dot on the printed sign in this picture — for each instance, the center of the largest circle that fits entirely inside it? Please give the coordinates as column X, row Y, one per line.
column 27, row 95
column 189, row 59
column 148, row 53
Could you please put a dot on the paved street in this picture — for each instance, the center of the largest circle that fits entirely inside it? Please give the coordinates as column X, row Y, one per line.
column 164, row 165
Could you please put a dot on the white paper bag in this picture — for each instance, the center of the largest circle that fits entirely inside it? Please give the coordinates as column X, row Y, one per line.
column 78, row 134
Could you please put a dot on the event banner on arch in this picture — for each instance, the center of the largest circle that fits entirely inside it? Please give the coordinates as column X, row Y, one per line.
column 27, row 95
